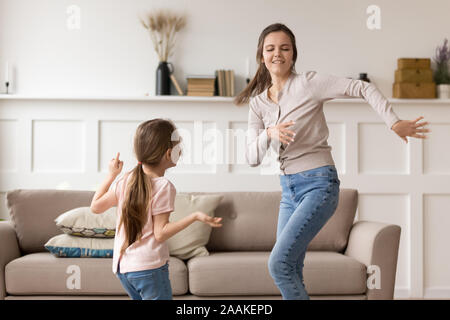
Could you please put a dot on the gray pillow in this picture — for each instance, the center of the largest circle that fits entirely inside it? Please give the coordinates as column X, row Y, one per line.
column 190, row 242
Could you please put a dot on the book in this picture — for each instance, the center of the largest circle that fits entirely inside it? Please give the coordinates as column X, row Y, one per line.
column 204, row 94
column 219, row 82
column 232, row 84
column 175, row 83
column 227, row 83
column 198, row 86
column 201, row 81
column 222, row 75
column 200, row 77
column 201, row 89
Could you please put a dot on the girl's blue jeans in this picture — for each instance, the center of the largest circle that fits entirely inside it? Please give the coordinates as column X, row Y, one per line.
column 308, row 200
column 152, row 284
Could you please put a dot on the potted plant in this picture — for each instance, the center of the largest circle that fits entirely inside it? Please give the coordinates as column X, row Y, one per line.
column 441, row 75
column 163, row 26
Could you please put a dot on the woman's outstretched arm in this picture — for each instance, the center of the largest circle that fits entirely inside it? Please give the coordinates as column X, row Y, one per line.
column 327, row 87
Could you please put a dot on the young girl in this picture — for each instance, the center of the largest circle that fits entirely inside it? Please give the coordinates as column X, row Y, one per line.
column 286, row 111
column 145, row 199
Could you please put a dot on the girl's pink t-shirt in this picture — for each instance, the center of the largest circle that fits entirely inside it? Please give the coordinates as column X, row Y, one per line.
column 146, row 253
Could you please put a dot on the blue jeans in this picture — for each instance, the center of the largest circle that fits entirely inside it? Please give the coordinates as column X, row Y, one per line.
column 308, row 200
column 152, row 284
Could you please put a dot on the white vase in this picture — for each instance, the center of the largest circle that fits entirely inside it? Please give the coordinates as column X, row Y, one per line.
column 443, row 91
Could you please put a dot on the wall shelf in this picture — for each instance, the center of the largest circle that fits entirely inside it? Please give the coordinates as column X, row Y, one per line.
column 195, row 99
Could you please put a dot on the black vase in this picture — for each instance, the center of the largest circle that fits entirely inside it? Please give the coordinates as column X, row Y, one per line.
column 363, row 77
column 163, row 78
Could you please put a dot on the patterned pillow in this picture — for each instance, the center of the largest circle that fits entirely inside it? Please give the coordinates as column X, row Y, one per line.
column 65, row 245
column 82, row 222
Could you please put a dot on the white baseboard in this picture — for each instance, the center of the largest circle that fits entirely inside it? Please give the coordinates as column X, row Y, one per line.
column 402, row 293
column 437, row 293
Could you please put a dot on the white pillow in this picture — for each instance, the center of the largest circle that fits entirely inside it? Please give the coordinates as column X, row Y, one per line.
column 83, row 222
column 64, row 245
column 190, row 242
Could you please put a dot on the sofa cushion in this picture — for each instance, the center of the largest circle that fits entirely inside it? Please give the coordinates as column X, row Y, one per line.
column 33, row 213
column 246, row 273
column 250, row 222
column 334, row 234
column 44, row 274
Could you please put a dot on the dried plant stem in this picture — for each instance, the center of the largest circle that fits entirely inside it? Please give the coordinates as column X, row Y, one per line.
column 163, row 27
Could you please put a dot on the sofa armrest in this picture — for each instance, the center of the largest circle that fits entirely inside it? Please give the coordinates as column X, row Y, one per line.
column 376, row 244
column 9, row 250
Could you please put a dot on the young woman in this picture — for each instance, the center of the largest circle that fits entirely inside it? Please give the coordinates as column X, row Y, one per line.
column 286, row 113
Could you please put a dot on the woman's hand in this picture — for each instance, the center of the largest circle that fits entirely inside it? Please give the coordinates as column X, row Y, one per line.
column 115, row 166
column 280, row 133
column 203, row 217
column 410, row 128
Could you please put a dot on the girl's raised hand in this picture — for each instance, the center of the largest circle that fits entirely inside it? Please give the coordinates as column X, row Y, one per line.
column 115, row 166
column 203, row 217
column 410, row 128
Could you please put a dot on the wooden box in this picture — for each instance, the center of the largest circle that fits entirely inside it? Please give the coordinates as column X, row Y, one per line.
column 414, row 90
column 414, row 75
column 414, row 63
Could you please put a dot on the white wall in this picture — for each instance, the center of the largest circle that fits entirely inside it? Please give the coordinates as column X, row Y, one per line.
column 112, row 55
column 112, row 52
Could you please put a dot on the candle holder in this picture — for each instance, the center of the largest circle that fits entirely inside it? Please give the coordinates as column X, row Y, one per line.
column 7, row 87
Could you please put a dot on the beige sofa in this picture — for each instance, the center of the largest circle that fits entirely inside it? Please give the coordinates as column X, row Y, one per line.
column 336, row 263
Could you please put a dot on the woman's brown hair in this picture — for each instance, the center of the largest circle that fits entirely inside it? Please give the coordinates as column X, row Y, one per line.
column 262, row 80
column 151, row 141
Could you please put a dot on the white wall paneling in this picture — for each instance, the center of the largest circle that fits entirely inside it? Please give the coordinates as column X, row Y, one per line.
column 64, row 140
column 67, row 142
column 435, row 161
column 375, row 160
column 436, row 222
column 8, row 141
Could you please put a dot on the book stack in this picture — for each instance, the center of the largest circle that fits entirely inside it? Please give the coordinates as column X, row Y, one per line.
column 198, row 85
column 414, row 79
column 225, row 83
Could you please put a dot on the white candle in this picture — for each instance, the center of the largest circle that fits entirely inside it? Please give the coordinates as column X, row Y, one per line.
column 248, row 68
column 7, row 72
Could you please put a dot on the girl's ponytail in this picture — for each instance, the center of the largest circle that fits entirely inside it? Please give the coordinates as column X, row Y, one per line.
column 135, row 207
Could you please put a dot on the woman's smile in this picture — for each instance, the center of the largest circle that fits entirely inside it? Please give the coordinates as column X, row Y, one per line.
column 278, row 53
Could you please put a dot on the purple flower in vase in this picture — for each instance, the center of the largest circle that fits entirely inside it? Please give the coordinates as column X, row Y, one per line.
column 442, row 57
